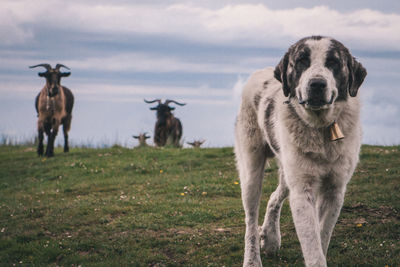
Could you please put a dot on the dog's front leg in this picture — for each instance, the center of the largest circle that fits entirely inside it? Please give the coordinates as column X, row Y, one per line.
column 270, row 231
column 329, row 204
column 304, row 212
column 251, row 192
column 251, row 176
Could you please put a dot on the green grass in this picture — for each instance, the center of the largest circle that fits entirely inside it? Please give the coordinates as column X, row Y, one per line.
column 173, row 207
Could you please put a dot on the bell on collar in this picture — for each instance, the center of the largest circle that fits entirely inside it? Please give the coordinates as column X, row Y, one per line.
column 336, row 133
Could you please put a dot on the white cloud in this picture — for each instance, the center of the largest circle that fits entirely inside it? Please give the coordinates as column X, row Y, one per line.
column 11, row 28
column 136, row 93
column 240, row 24
column 140, row 90
column 146, row 62
column 122, row 93
column 227, row 25
column 143, row 62
column 381, row 134
column 238, row 88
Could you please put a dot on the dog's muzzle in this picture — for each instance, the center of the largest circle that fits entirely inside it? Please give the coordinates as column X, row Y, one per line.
column 316, row 95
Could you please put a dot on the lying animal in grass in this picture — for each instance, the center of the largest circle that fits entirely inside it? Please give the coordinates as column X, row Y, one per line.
column 142, row 137
column 196, row 143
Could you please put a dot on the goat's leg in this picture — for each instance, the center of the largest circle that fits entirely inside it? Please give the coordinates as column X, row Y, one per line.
column 51, row 138
column 66, row 127
column 177, row 136
column 50, row 144
column 46, row 127
column 40, row 139
column 270, row 232
column 163, row 138
column 66, row 146
column 175, row 140
column 47, row 130
column 159, row 136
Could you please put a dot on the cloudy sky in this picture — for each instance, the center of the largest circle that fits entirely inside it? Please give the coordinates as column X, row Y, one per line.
column 197, row 52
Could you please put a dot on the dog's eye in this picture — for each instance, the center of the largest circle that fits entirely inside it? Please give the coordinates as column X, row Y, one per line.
column 303, row 60
column 332, row 63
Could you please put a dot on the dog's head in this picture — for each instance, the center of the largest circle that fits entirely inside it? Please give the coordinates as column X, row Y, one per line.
column 319, row 72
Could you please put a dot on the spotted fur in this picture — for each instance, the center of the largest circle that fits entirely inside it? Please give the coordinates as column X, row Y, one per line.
column 314, row 85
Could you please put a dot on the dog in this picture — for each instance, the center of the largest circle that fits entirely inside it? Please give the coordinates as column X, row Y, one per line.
column 306, row 113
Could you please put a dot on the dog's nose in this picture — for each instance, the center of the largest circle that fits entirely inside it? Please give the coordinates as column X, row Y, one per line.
column 317, row 84
column 316, row 92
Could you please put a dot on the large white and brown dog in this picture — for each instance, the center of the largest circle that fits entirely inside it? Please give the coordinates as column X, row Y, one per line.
column 299, row 112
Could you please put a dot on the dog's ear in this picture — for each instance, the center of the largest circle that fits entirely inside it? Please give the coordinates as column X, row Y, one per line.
column 280, row 73
column 357, row 74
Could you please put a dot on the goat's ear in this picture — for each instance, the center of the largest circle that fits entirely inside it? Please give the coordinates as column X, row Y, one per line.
column 171, row 108
column 42, row 74
column 280, row 73
column 147, row 137
column 154, row 108
column 135, row 136
column 65, row 74
column 357, row 75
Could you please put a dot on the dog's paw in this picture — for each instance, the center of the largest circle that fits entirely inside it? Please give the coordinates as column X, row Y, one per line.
column 269, row 248
column 253, row 262
column 252, row 256
column 270, row 242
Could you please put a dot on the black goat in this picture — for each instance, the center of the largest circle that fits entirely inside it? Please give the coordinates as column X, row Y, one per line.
column 168, row 129
column 54, row 107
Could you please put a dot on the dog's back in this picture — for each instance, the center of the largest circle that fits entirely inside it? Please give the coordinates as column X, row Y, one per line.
column 259, row 85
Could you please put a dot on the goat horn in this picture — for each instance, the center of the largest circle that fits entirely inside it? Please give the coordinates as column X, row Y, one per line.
column 152, row 101
column 45, row 65
column 173, row 101
column 58, row 66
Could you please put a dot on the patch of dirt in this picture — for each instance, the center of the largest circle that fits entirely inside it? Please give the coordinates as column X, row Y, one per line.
column 382, row 214
column 184, row 231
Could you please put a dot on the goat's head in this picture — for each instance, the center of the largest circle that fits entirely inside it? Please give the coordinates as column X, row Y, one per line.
column 142, row 138
column 163, row 109
column 53, row 77
column 196, row 143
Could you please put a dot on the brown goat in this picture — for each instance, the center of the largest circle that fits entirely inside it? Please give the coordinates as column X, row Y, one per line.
column 196, row 143
column 54, row 107
column 168, row 129
column 142, row 139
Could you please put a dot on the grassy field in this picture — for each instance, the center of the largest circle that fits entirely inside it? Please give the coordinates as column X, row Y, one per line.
column 173, row 207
